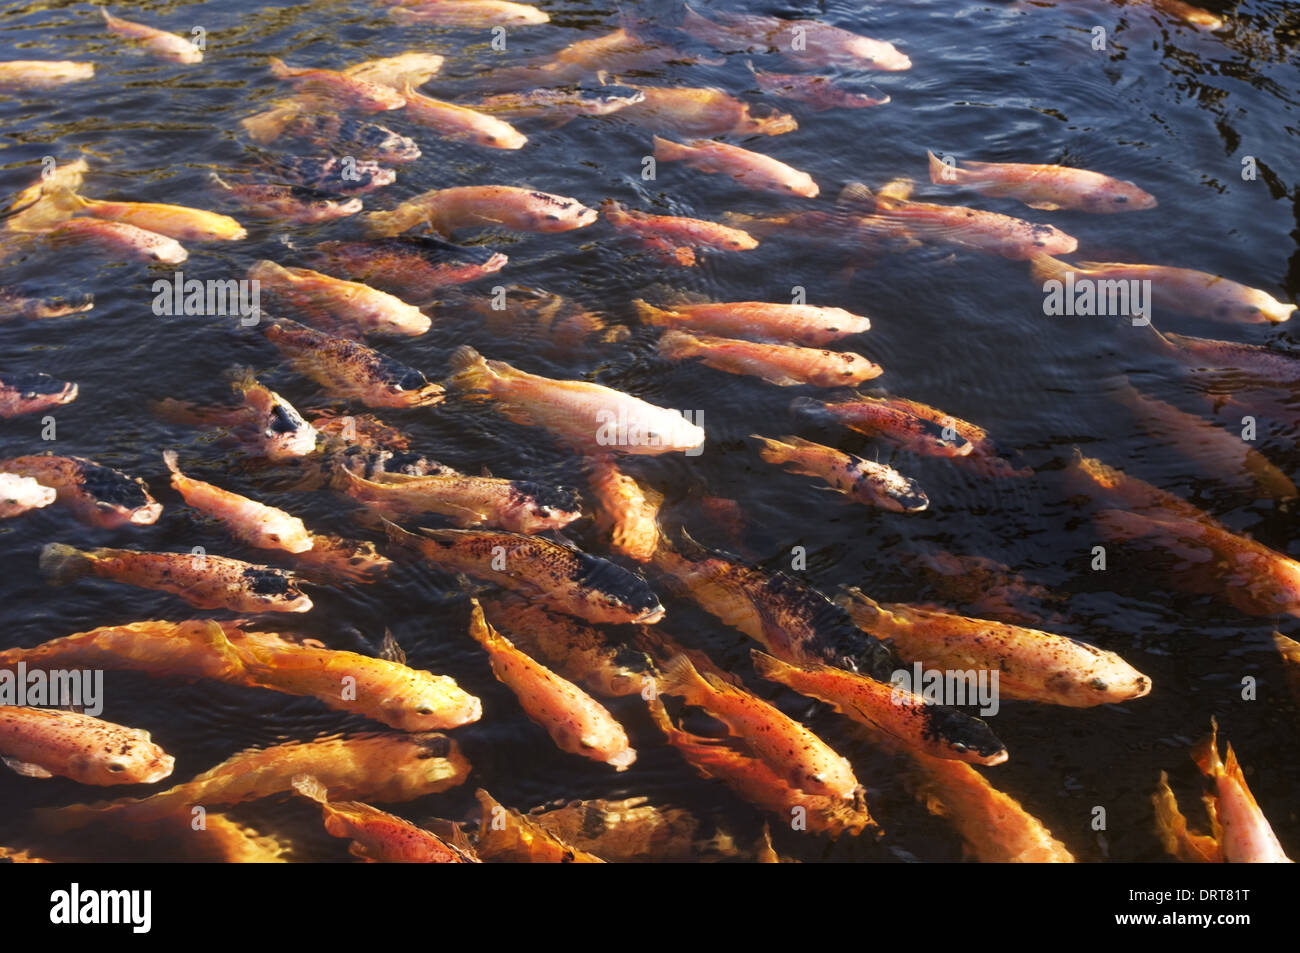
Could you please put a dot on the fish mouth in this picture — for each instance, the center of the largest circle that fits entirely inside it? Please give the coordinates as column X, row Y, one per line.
column 623, row 760
column 650, row 616
column 146, row 515
column 161, row 768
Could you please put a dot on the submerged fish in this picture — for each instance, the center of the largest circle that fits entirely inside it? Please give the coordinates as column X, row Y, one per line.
column 460, row 123
column 377, row 836
column 751, row 169
column 344, row 175
column 208, row 582
column 780, row 364
column 1047, row 187
column 282, row 434
column 346, row 368
column 558, row 577
column 1274, row 368
column 174, row 221
column 160, row 43
column 43, row 742
column 589, row 417
column 1183, row 290
column 1032, row 665
column 878, row 417
column 32, row 393
column 819, row 92
column 292, row 203
column 564, row 104
column 18, row 494
column 413, row 267
column 119, row 239
column 821, row 42
column 675, row 237
column 338, row 303
column 15, row 304
column 483, row 206
column 43, row 203
column 625, row 512
column 415, row 66
column 702, row 111
column 344, row 90
column 256, row 524
column 96, row 495
column 305, row 121
column 506, row 835
column 863, row 481
column 631, row 829
column 467, row 13
column 802, row 323
column 42, row 74
column 555, row 325
column 576, row 722
column 376, row 766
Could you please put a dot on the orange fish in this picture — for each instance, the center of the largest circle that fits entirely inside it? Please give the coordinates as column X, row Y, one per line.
column 42, row 74
column 460, row 123
column 119, row 239
column 702, row 111
column 348, row 305
column 801, row 323
column 677, row 231
column 1047, row 187
column 863, row 481
column 483, row 206
column 247, row 520
column 166, row 45
column 346, row 91
column 506, row 835
column 751, row 169
column 779, row 364
column 41, row 742
column 18, row 494
column 96, row 495
column 625, row 511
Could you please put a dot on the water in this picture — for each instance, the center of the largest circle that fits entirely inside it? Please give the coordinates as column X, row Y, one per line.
column 1172, row 108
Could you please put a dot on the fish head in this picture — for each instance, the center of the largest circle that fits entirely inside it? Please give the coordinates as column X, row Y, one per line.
column 1048, row 240
column 1255, row 307
column 120, row 500
column 617, row 594
column 764, row 121
column 534, row 507
column 410, row 388
column 430, row 702
column 130, row 759
column 1116, row 196
column 284, row 433
column 873, row 54
column 423, row 763
column 967, row 738
column 555, row 213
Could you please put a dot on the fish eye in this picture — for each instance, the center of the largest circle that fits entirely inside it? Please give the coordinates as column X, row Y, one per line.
column 552, row 217
column 1120, row 199
column 117, row 767
column 1040, row 244
column 424, row 710
column 959, row 747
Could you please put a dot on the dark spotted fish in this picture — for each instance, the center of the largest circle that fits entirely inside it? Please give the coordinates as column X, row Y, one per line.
column 345, row 136
column 292, row 203
column 413, row 267
column 97, row 495
column 32, row 393
column 345, row 175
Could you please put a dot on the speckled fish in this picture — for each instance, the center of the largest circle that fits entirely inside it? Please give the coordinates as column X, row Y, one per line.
column 676, row 230
column 578, row 651
column 558, row 577
column 289, row 203
column 282, row 434
column 753, row 170
column 1217, row 450
column 824, row 44
column 160, row 43
column 304, row 121
column 506, row 836
column 482, row 14
column 562, row 105
column 97, row 495
column 780, row 364
column 819, row 92
column 797, row 755
column 576, row 722
column 205, row 581
column 931, row 730
column 1208, row 559
column 460, row 123
column 802, row 323
column 975, row 229
column 340, row 304
column 755, row 781
column 553, row 325
column 517, row 506
column 881, row 418
column 18, row 494
column 346, row 368
column 174, row 221
column 483, row 206
column 119, row 240
column 415, row 66
column 1249, row 360
column 589, row 417
column 248, row 521
column 15, row 304
column 42, row 203
column 1240, row 834
column 980, row 585
column 336, row 561
column 1032, row 665
column 344, row 90
column 863, row 481
column 413, row 267
column 42, row 74
column 1046, row 187
column 1182, row 290
column 387, row 766
column 626, row 513
column 377, row 836
column 43, row 742
column 629, row 830
column 341, row 175
column 983, row 457
column 32, row 393
column 1088, row 475
column 702, row 111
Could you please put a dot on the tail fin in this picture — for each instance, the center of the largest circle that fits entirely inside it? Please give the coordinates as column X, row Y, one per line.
column 681, row 678
column 109, row 19
column 310, row 787
column 169, row 458
column 470, row 371
column 678, row 345
column 857, row 195
column 658, row 317
column 852, row 598
column 1206, row 753
column 1047, row 268
column 61, row 563
column 668, row 151
column 941, row 173
column 280, row 69
column 769, row 667
column 1171, row 827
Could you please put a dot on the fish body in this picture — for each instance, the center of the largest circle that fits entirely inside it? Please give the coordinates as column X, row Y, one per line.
column 18, row 494
column 160, row 43
column 44, row 742
column 334, row 174
column 1249, row 360
column 256, row 524
column 174, row 221
column 1116, row 488
column 120, row 239
column 484, row 14
column 340, row 303
column 625, row 512
column 559, row 577
column 780, row 364
column 344, row 90
column 349, row 369
column 882, row 418
column 576, row 722
column 983, row 457
column 204, row 581
column 291, row 203
column 1046, row 187
column 282, row 433
column 415, row 268
column 819, row 92
column 751, row 169
column 505, row 835
column 554, row 324
column 415, row 67
column 33, row 393
column 460, row 123
column 563, row 104
column 1032, row 665
column 804, row 324
column 863, row 481
column 702, row 111
column 96, row 495
column 796, row 40
column 483, row 206
column 15, row 304
column 43, row 74
column 590, row 417
column 676, row 230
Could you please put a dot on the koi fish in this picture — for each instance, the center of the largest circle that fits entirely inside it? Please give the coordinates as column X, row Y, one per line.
column 881, row 418
column 44, row 742
column 32, row 393
column 779, row 364
column 119, row 239
column 414, row 66
column 340, row 303
column 282, row 434
column 751, row 169
column 460, row 123
column 174, row 221
column 413, row 267
column 625, row 512
column 42, row 74
column 830, row 45
column 483, row 206
column 485, row 14
column 819, row 92
column 703, row 112
column 18, row 494
column 344, row 90
column 862, row 481
column 248, row 521
column 802, row 323
column 96, row 495
column 291, row 203
column 160, row 43
column 1046, row 187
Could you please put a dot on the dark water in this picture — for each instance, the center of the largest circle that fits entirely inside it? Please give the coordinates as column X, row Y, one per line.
column 1168, row 106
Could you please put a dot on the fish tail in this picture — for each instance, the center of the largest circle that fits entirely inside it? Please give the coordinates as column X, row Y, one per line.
column 676, row 345
column 61, row 563
column 1171, row 825
column 680, row 677
column 941, row 173
column 280, row 69
column 772, row 451
column 109, row 19
column 770, row 667
column 1206, row 753
column 480, row 629
column 855, row 597
column 668, row 151
column 659, row 317
column 169, row 458
column 1047, row 268
column 470, row 371
column 309, row 786
column 855, row 194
